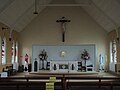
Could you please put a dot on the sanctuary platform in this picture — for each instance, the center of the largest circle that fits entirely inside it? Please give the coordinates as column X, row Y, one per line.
column 47, row 72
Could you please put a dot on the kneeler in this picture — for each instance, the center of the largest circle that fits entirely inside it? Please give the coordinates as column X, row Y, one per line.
column 50, row 84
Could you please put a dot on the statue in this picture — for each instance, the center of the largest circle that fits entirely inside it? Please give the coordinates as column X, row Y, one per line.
column 26, row 62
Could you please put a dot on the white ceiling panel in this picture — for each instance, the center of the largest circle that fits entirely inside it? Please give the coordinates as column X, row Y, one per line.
column 4, row 4
column 111, row 10
column 16, row 9
column 99, row 17
column 17, row 14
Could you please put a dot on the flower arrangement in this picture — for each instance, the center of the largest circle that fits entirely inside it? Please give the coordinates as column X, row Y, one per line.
column 43, row 55
column 85, row 55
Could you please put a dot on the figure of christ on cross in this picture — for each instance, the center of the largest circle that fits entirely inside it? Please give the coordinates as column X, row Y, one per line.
column 63, row 22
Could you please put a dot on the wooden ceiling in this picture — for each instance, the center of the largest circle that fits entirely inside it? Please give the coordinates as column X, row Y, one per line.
column 17, row 14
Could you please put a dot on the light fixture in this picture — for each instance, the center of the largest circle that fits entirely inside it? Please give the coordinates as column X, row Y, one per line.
column 35, row 7
column 10, row 37
column 4, row 28
column 117, row 34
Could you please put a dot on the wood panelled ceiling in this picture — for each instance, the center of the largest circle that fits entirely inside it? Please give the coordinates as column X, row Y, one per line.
column 17, row 14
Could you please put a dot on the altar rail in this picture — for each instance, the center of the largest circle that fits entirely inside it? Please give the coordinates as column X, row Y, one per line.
column 64, row 81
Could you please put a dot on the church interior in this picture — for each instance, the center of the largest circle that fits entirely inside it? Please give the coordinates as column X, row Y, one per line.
column 59, row 44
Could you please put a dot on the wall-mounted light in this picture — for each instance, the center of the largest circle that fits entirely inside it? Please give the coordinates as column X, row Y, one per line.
column 5, row 28
column 117, row 35
column 10, row 37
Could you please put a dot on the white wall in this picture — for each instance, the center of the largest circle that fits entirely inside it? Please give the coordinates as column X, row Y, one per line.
column 82, row 29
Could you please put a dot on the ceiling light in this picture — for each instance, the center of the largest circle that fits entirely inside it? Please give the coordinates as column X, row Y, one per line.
column 35, row 7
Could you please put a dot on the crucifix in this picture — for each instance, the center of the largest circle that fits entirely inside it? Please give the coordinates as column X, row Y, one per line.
column 63, row 22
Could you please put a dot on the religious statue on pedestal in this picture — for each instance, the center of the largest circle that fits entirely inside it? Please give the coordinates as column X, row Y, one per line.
column 26, row 62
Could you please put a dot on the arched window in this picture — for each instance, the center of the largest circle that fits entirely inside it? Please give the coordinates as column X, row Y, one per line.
column 113, row 51
column 111, row 60
column 0, row 50
column 3, row 49
column 13, row 51
column 16, row 52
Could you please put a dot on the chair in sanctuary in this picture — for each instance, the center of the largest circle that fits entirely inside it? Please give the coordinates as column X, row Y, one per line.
column 81, row 67
column 89, row 67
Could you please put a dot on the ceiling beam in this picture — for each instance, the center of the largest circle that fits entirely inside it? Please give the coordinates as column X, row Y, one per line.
column 65, row 5
column 6, row 4
column 107, row 16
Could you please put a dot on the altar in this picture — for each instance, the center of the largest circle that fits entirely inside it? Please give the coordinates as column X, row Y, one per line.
column 63, row 58
column 63, row 66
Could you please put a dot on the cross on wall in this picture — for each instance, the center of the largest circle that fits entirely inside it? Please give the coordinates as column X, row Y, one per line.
column 63, row 22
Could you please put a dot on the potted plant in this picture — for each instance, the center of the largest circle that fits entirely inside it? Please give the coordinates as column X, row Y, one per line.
column 85, row 56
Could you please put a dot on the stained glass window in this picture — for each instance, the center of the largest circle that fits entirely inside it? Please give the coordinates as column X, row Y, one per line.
column 13, row 51
column 113, row 51
column 0, row 50
column 3, row 49
column 16, row 52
